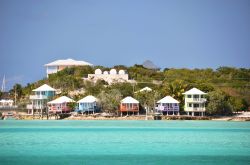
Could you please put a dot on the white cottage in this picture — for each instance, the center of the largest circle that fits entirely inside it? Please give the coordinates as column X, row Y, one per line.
column 195, row 102
column 168, row 105
column 39, row 99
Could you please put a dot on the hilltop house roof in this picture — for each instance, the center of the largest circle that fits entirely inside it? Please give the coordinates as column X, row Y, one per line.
column 168, row 99
column 194, row 91
column 129, row 99
column 68, row 62
column 62, row 99
column 44, row 87
column 88, row 99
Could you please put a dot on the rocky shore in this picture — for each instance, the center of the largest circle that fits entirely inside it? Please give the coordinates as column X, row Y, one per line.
column 80, row 117
column 244, row 116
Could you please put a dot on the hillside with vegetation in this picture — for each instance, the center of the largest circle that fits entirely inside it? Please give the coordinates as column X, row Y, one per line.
column 228, row 88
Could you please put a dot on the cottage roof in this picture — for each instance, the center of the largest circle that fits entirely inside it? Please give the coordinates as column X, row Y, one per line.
column 194, row 91
column 168, row 99
column 145, row 89
column 68, row 62
column 44, row 87
column 6, row 101
column 129, row 99
column 88, row 99
column 62, row 99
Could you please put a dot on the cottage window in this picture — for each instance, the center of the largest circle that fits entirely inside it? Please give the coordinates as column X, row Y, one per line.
column 189, row 105
column 189, row 96
column 196, row 96
column 196, row 105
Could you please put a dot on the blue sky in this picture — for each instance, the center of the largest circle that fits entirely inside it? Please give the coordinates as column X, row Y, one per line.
column 171, row 33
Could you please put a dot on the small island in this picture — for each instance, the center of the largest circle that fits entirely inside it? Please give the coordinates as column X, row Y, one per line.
column 78, row 90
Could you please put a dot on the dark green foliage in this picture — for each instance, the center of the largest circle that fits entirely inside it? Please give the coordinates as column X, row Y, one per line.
column 236, row 103
column 139, row 73
column 27, row 90
column 245, row 105
column 165, row 69
column 110, row 100
column 147, row 99
column 219, row 104
column 120, row 67
column 205, row 87
column 77, row 72
column 175, row 88
column 103, row 68
column 72, row 105
column 17, row 91
column 126, row 89
column 93, row 88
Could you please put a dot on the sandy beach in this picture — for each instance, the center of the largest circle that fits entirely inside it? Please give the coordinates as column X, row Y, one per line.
column 243, row 116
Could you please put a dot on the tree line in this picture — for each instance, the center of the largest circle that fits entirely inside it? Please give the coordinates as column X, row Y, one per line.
column 228, row 88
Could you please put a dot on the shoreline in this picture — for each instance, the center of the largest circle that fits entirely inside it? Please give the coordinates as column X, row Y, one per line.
column 140, row 117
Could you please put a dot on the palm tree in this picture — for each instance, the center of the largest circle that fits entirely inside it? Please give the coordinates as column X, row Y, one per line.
column 175, row 89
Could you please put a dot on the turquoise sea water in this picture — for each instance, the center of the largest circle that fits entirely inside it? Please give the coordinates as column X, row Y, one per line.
column 124, row 142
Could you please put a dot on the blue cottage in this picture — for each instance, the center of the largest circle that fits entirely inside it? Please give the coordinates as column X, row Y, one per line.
column 88, row 104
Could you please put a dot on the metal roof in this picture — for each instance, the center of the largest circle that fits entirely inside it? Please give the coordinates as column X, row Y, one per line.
column 68, row 62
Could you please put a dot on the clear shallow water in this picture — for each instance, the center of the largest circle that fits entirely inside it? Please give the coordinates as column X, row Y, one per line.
column 124, row 142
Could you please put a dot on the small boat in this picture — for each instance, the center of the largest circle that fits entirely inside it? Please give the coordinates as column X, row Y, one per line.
column 9, row 118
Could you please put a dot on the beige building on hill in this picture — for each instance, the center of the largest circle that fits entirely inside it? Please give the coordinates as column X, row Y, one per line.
column 59, row 65
column 110, row 77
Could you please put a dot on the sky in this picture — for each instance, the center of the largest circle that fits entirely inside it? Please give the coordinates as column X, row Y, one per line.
column 171, row 33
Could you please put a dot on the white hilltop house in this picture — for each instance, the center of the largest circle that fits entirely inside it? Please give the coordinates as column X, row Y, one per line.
column 195, row 102
column 59, row 65
column 168, row 105
column 110, row 77
column 39, row 99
